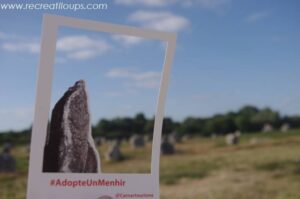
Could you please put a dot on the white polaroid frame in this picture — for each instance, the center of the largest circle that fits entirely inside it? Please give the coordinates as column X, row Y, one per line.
column 40, row 185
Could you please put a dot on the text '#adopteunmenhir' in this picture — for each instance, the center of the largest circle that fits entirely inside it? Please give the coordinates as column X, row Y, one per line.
column 87, row 183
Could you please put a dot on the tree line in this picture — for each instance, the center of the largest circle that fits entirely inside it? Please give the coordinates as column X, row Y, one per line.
column 248, row 119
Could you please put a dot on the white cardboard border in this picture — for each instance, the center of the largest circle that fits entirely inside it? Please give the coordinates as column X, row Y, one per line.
column 38, row 182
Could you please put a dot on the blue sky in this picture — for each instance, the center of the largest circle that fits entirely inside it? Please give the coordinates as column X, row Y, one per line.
column 229, row 53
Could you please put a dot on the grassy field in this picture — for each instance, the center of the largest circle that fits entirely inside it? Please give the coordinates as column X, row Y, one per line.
column 262, row 166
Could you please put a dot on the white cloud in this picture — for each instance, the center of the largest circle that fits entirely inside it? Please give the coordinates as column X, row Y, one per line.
column 7, row 36
column 123, row 73
column 30, row 47
column 165, row 21
column 82, row 47
column 209, row 4
column 127, row 40
column 71, row 43
column 150, row 83
column 82, row 54
column 257, row 16
column 119, row 73
column 60, row 60
column 148, row 79
column 120, row 93
column 72, row 47
column 143, row 2
column 17, row 43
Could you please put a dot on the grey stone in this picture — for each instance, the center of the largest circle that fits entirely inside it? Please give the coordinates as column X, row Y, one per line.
column 267, row 128
column 186, row 137
column 213, row 136
column 167, row 148
column 116, row 142
column 114, row 152
column 137, row 141
column 27, row 150
column 98, row 141
column 7, row 147
column 254, row 141
column 285, row 127
column 175, row 137
column 7, row 161
column 69, row 145
column 232, row 139
column 148, row 138
column 238, row 133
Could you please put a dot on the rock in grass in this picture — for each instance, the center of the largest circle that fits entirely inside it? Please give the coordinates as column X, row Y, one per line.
column 175, row 137
column 114, row 153
column 137, row 141
column 232, row 138
column 98, row 141
column 7, row 161
column 267, row 128
column 69, row 145
column 285, row 127
column 167, row 148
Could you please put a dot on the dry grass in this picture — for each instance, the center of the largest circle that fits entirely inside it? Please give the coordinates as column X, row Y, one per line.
column 204, row 168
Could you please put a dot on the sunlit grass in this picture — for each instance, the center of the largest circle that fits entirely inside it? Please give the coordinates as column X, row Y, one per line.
column 202, row 168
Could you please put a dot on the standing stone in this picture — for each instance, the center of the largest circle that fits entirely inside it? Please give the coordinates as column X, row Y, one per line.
column 232, row 139
column 98, row 141
column 267, row 128
column 137, row 141
column 28, row 150
column 213, row 136
column 148, row 138
column 238, row 133
column 175, row 137
column 7, row 161
column 69, row 145
column 167, row 148
column 254, row 141
column 285, row 127
column 186, row 137
column 114, row 152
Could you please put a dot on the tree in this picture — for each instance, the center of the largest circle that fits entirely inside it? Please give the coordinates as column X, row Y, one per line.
column 139, row 123
column 266, row 115
column 168, row 126
column 243, row 120
column 220, row 124
column 192, row 126
column 149, row 127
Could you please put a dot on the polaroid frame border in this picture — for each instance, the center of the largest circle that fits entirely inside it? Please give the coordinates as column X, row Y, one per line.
column 39, row 183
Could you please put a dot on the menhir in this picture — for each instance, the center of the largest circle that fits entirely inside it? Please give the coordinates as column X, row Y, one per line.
column 69, row 145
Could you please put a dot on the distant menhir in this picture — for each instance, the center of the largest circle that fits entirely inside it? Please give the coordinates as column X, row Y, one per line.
column 69, row 145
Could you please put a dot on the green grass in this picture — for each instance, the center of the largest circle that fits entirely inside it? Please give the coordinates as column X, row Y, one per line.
column 203, row 168
column 194, row 169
